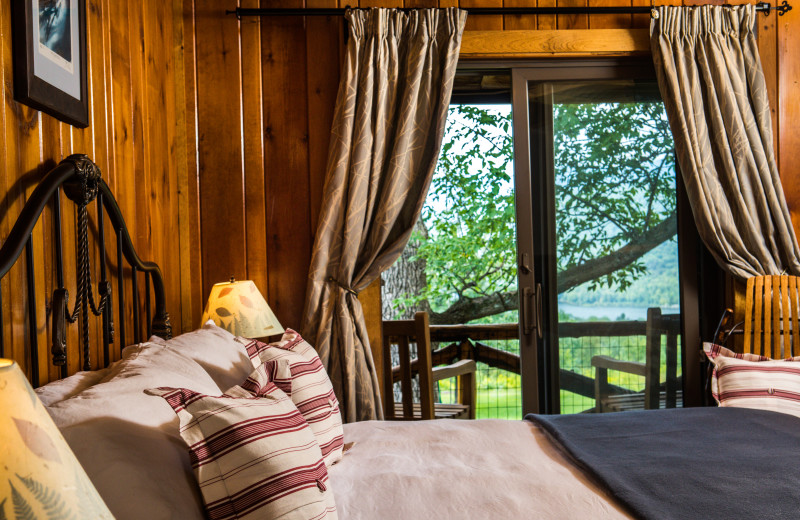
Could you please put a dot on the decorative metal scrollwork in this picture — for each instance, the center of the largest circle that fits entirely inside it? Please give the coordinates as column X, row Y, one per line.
column 82, row 192
column 161, row 326
column 59, row 336
column 86, row 188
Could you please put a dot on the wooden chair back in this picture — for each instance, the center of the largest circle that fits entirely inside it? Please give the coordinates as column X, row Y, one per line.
column 669, row 326
column 771, row 316
column 658, row 326
column 404, row 333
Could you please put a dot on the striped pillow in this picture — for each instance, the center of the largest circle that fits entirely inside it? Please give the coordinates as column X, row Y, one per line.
column 254, row 457
column 753, row 381
column 311, row 390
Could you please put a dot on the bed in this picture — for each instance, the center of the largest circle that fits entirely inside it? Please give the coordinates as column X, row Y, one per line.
column 128, row 426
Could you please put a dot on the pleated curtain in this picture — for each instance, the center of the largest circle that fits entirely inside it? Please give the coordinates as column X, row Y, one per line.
column 712, row 83
column 387, row 130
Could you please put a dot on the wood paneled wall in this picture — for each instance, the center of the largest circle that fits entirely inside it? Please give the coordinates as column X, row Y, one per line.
column 136, row 135
column 265, row 94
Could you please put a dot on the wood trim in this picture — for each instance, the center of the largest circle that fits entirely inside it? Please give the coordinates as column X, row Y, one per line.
column 558, row 43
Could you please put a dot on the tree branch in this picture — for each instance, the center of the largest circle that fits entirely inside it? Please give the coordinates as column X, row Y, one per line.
column 468, row 309
column 630, row 252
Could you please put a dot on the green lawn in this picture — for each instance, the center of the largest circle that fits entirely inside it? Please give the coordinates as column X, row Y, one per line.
column 500, row 403
column 507, row 404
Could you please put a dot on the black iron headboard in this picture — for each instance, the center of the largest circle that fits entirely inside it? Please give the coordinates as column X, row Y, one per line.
column 82, row 184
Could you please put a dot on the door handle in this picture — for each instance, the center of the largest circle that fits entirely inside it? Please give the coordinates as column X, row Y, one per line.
column 527, row 298
column 538, row 310
column 532, row 310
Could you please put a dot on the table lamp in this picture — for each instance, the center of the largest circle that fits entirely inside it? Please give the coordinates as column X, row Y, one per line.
column 239, row 308
column 39, row 475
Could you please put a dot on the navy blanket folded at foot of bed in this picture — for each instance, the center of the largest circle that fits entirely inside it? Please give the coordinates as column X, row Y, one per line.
column 726, row 463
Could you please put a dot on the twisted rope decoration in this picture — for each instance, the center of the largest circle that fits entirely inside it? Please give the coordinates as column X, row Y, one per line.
column 82, row 195
column 85, row 272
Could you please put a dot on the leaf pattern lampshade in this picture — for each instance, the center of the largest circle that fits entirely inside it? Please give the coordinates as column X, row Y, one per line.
column 239, row 308
column 39, row 475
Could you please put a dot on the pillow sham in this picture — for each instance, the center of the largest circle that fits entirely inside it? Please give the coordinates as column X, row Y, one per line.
column 312, row 391
column 61, row 389
column 128, row 442
column 253, row 456
column 217, row 351
column 754, row 381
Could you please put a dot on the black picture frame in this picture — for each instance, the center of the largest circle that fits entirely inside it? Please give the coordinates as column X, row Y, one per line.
column 49, row 52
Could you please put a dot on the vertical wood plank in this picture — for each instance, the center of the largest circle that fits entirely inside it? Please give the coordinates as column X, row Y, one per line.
column 51, row 154
column 767, row 31
column 610, row 21
column 323, row 40
column 482, row 22
column 788, row 29
column 253, row 124
column 124, row 175
column 141, row 173
column 186, row 157
column 572, row 21
column 97, row 145
column 289, row 230
column 220, row 144
column 517, row 22
column 546, row 22
column 162, row 188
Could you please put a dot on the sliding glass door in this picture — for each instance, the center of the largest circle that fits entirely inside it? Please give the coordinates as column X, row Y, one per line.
column 594, row 153
column 548, row 249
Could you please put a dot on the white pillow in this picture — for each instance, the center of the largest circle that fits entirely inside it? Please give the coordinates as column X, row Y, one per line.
column 752, row 381
column 56, row 391
column 128, row 442
column 217, row 351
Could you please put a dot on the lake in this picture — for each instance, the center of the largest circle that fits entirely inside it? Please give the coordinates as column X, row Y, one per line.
column 610, row 312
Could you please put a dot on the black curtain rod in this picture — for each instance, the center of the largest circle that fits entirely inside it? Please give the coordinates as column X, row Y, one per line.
column 764, row 7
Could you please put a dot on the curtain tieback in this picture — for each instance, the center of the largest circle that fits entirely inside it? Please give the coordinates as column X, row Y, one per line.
column 343, row 286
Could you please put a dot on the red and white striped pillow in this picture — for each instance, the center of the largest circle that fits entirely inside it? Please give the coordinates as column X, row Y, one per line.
column 753, row 381
column 254, row 456
column 311, row 392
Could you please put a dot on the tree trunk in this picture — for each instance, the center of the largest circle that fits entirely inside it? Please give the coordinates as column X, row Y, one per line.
column 404, row 279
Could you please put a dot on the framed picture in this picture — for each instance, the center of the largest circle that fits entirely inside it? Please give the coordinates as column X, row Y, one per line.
column 49, row 49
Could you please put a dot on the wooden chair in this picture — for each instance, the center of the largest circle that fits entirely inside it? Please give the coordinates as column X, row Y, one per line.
column 771, row 316
column 654, row 395
column 403, row 334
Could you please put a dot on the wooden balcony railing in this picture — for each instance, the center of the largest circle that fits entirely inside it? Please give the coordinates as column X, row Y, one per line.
column 467, row 342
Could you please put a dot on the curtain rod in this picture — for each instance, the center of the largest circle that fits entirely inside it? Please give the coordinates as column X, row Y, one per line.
column 764, row 7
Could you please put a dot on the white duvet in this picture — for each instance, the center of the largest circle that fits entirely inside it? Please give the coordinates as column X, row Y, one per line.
column 486, row 469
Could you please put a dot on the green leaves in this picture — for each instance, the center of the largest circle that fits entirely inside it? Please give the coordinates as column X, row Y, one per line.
column 615, row 180
column 469, row 214
column 614, row 183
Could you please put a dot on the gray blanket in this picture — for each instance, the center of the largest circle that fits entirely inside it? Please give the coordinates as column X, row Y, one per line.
column 694, row 463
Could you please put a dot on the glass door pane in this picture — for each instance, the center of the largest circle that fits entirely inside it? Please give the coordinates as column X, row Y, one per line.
column 460, row 265
column 614, row 288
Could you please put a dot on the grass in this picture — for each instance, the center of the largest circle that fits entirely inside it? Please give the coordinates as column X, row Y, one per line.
column 506, row 403
column 501, row 403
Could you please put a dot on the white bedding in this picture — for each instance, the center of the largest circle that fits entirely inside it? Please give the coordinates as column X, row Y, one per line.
column 461, row 469
column 128, row 442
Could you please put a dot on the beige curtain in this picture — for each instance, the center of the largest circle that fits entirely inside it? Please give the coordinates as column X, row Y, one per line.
column 387, row 130
column 710, row 76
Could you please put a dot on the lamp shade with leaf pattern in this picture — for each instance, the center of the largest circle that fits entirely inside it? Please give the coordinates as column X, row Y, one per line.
column 39, row 475
column 238, row 307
